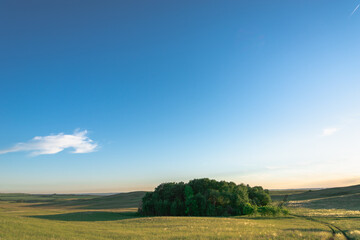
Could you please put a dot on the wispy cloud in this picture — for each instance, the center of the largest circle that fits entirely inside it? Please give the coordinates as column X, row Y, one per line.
column 356, row 8
column 55, row 143
column 329, row 131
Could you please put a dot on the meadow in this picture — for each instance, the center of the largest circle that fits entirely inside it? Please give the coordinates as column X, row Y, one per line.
column 78, row 217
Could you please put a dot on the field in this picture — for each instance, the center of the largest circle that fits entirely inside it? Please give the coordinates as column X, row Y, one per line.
column 321, row 214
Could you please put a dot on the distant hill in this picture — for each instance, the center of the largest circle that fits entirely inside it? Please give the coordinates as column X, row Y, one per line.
column 36, row 198
column 120, row 200
column 328, row 192
column 278, row 195
column 329, row 198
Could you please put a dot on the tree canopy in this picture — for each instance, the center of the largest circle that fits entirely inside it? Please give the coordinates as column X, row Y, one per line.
column 203, row 197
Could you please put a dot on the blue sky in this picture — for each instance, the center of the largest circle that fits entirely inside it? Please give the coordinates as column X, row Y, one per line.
column 124, row 95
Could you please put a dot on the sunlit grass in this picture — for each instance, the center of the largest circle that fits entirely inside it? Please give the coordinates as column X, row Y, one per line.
column 114, row 217
column 347, row 220
column 22, row 221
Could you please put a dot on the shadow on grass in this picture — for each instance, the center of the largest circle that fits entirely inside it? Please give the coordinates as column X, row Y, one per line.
column 89, row 216
column 306, row 230
column 268, row 217
column 87, row 204
column 336, row 218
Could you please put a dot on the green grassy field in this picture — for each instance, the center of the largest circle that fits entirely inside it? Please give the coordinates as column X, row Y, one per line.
column 339, row 207
column 278, row 195
column 323, row 193
column 120, row 200
column 331, row 198
column 114, row 217
column 346, row 220
column 46, row 198
column 64, row 223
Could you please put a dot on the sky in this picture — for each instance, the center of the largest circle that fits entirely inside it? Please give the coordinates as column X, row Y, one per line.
column 116, row 96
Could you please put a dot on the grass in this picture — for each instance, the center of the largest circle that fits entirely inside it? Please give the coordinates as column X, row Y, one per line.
column 36, row 198
column 278, row 195
column 87, row 217
column 332, row 198
column 346, row 220
column 339, row 207
column 324, row 193
column 66, row 223
column 120, row 200
column 350, row 202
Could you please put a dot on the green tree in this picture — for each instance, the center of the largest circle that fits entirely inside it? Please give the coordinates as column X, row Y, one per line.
column 203, row 197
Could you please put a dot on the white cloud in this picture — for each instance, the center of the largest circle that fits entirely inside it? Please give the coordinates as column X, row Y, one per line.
column 329, row 131
column 55, row 143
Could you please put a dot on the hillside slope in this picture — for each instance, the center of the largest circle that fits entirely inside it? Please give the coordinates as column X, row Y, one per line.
column 348, row 202
column 330, row 198
column 120, row 200
column 328, row 192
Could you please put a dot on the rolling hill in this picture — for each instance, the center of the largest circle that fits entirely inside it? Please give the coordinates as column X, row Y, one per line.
column 329, row 198
column 120, row 200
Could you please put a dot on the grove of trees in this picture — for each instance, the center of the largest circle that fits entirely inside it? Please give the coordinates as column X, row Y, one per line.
column 203, row 197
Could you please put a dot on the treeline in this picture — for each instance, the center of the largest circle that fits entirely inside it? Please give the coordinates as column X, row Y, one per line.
column 203, row 197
